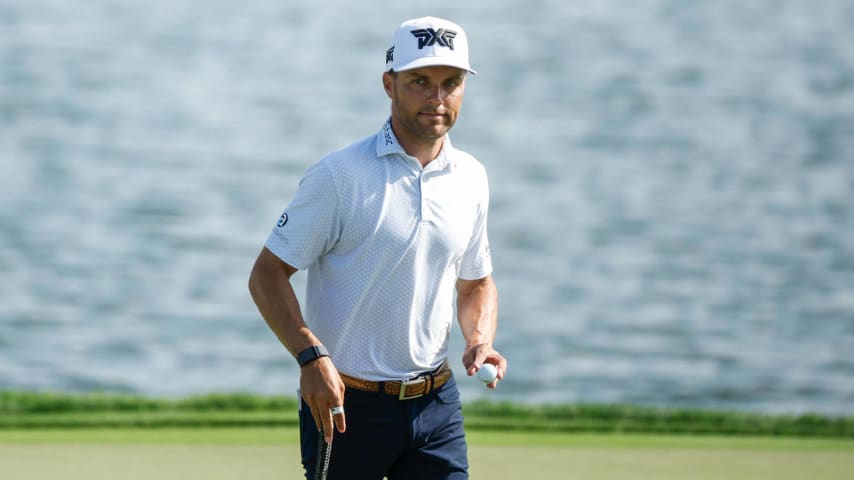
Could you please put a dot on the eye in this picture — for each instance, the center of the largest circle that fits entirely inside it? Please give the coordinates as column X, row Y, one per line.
column 454, row 82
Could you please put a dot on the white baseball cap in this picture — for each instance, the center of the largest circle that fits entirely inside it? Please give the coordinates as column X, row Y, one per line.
column 425, row 42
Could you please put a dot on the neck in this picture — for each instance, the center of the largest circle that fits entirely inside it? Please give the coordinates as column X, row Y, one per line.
column 425, row 150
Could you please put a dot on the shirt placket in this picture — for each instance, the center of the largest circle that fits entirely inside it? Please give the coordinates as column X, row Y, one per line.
column 423, row 191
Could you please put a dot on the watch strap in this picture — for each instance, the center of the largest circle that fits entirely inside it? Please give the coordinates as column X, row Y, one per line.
column 311, row 354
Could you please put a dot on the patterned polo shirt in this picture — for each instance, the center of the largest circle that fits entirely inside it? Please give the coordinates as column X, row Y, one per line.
column 384, row 241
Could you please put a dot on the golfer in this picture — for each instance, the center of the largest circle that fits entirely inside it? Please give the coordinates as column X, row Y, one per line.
column 392, row 230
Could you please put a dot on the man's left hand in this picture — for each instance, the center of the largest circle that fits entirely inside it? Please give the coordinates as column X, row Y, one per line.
column 476, row 355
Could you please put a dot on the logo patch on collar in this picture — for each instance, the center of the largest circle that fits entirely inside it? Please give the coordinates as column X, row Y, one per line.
column 387, row 133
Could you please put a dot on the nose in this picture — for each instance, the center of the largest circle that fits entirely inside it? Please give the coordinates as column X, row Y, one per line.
column 436, row 95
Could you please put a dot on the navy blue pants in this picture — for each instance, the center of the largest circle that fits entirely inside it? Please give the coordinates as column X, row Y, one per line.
column 418, row 439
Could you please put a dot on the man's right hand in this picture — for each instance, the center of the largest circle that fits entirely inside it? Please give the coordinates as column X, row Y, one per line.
column 323, row 389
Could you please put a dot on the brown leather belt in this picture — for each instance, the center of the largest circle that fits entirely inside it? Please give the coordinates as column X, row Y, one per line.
column 407, row 389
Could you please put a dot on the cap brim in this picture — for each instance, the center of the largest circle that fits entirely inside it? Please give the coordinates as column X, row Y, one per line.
column 432, row 62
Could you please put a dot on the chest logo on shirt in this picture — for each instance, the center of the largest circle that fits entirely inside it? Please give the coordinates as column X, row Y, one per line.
column 283, row 220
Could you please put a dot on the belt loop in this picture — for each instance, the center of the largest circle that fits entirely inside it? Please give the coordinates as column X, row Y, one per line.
column 380, row 388
column 431, row 380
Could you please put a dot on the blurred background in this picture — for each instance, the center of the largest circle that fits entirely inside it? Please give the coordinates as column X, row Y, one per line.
column 672, row 218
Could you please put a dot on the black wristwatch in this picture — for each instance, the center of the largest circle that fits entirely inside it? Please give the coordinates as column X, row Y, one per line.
column 311, row 354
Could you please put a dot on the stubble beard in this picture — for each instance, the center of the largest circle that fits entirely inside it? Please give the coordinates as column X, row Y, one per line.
column 410, row 123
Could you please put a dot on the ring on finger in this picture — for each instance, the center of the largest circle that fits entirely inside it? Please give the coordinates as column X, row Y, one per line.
column 337, row 410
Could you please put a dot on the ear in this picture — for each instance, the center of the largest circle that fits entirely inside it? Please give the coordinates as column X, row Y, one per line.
column 388, row 83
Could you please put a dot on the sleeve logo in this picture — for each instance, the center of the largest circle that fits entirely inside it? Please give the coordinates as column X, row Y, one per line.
column 282, row 220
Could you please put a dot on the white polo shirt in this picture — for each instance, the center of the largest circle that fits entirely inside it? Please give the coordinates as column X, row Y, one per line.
column 384, row 242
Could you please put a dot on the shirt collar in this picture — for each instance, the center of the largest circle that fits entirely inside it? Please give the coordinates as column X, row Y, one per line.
column 386, row 141
column 387, row 144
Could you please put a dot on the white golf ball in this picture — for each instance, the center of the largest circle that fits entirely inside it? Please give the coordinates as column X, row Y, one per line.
column 487, row 373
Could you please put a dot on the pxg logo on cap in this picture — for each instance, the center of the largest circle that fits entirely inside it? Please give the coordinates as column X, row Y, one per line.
column 426, row 42
column 428, row 36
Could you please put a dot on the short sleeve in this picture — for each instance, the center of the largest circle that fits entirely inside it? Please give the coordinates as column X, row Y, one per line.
column 477, row 261
column 310, row 226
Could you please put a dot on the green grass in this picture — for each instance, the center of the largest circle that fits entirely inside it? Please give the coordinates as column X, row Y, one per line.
column 290, row 435
column 155, row 436
column 227, row 436
column 31, row 410
column 273, row 453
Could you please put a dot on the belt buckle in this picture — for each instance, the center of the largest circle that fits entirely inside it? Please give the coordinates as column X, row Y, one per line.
column 403, row 385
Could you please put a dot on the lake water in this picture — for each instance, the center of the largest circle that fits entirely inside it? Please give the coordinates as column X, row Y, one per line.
column 672, row 217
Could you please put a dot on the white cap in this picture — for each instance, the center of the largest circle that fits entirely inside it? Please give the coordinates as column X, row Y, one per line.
column 425, row 42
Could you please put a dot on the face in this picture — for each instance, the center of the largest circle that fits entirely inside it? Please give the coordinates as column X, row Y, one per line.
column 425, row 102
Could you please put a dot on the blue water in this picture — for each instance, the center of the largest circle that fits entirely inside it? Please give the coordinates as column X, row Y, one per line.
column 672, row 215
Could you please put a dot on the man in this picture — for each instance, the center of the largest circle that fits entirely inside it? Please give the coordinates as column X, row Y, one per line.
column 388, row 229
